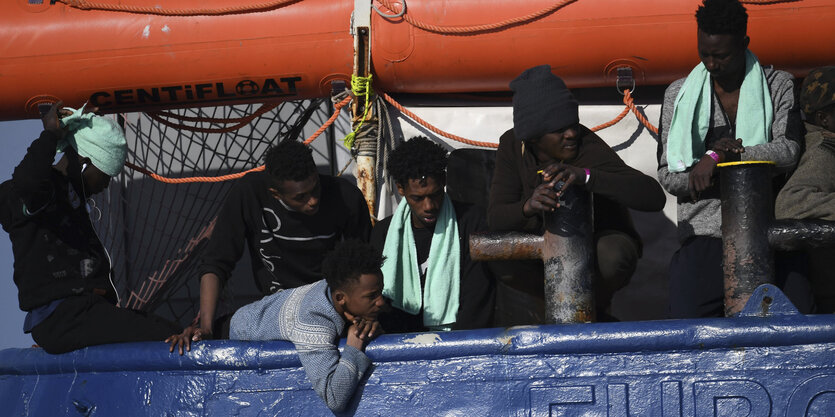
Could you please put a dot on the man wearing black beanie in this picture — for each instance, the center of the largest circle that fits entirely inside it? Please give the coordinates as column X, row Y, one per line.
column 547, row 137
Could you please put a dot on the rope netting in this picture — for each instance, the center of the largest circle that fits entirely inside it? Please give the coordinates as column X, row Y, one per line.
column 156, row 231
column 239, row 123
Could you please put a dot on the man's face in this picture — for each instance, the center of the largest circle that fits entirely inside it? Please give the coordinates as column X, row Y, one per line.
column 364, row 297
column 302, row 196
column 562, row 145
column 95, row 181
column 424, row 197
column 825, row 118
column 723, row 55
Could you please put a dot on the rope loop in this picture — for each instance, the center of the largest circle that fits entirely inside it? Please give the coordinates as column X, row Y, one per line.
column 630, row 106
column 390, row 16
column 206, row 11
column 473, row 28
column 360, row 86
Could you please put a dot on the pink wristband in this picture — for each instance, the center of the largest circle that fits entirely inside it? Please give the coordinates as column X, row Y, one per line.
column 713, row 155
column 588, row 174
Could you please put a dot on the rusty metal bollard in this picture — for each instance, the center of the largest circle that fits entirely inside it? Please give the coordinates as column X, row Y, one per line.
column 566, row 250
column 747, row 213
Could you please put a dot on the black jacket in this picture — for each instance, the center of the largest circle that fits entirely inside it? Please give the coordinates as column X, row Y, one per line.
column 56, row 250
column 286, row 248
column 614, row 185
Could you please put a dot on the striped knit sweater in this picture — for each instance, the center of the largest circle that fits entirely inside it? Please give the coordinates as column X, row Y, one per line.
column 306, row 317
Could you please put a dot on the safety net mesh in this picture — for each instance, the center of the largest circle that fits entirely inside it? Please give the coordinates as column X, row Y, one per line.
column 156, row 231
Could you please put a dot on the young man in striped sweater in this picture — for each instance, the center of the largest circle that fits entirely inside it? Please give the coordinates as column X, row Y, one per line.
column 315, row 316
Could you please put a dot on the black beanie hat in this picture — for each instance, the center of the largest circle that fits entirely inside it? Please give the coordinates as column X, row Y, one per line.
column 541, row 104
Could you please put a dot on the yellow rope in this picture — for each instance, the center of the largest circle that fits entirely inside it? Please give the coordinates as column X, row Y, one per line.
column 360, row 86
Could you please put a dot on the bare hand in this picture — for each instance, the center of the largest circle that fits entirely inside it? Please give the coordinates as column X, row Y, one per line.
column 367, row 329
column 362, row 331
column 562, row 172
column 52, row 119
column 545, row 197
column 701, row 177
column 729, row 149
column 354, row 339
column 184, row 339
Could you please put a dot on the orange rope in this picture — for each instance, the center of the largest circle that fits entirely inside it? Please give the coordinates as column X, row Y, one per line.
column 630, row 105
column 477, row 28
column 425, row 124
column 627, row 99
column 336, row 108
column 221, row 178
column 257, row 7
column 613, row 121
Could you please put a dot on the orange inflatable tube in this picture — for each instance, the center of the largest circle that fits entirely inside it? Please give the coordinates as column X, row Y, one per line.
column 126, row 61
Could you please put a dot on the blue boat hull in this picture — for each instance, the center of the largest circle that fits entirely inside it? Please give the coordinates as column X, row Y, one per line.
column 766, row 363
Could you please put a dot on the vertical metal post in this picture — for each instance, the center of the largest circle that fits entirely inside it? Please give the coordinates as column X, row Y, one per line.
column 569, row 259
column 745, row 191
column 365, row 143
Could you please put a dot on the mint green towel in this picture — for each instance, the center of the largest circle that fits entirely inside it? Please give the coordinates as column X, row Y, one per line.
column 99, row 138
column 401, row 277
column 691, row 116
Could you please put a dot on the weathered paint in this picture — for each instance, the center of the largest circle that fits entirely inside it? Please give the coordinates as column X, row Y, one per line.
column 801, row 234
column 762, row 363
column 569, row 259
column 745, row 190
column 566, row 251
column 365, row 180
column 500, row 246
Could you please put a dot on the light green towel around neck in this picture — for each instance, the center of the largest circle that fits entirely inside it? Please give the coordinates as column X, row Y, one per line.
column 401, row 274
column 692, row 114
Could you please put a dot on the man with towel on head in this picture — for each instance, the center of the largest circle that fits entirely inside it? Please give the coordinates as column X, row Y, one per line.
column 728, row 108
column 62, row 270
column 429, row 277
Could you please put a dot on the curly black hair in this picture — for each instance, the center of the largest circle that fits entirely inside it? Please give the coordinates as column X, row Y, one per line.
column 722, row 17
column 290, row 160
column 348, row 260
column 416, row 158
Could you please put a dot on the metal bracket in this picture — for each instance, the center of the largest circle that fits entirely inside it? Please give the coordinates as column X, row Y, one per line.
column 768, row 301
column 625, row 80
